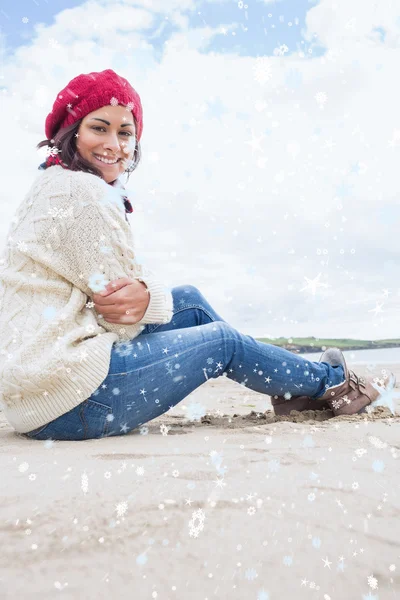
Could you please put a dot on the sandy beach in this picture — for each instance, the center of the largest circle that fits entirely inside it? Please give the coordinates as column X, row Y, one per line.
column 237, row 505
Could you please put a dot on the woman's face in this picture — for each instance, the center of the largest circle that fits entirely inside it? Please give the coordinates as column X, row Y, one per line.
column 109, row 134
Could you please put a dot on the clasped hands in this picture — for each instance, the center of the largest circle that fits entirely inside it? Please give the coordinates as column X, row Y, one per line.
column 124, row 301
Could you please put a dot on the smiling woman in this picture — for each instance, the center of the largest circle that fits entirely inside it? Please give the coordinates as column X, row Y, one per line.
column 62, row 372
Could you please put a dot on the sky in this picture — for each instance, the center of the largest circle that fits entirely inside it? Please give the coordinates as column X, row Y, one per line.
column 271, row 147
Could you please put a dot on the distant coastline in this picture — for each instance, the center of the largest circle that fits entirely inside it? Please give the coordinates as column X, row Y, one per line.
column 312, row 344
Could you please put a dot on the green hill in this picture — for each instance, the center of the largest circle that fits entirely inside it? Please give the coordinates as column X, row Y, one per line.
column 312, row 344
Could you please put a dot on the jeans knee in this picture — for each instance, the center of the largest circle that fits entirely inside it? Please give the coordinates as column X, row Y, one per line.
column 188, row 292
column 224, row 329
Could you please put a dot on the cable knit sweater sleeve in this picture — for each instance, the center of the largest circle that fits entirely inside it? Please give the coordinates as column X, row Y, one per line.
column 87, row 223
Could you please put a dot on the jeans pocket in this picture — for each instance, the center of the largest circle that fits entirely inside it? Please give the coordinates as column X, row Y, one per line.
column 96, row 418
column 86, row 421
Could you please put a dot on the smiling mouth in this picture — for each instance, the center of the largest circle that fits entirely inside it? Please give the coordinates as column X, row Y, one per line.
column 103, row 161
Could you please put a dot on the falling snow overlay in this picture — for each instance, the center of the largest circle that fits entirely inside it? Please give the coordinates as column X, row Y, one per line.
column 268, row 181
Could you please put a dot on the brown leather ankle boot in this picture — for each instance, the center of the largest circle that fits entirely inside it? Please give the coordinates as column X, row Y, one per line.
column 355, row 393
column 348, row 398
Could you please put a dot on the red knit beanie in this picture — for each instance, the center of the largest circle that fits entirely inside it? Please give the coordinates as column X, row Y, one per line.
column 87, row 93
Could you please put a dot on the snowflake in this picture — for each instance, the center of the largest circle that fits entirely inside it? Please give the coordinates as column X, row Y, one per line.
column 54, row 43
column 293, row 78
column 332, row 55
column 84, row 483
column 311, row 497
column 193, row 532
column 273, row 465
column 304, row 49
column 287, row 561
column 25, row 20
column 123, row 348
column 372, row 582
column 321, row 98
column 55, row 212
column 164, row 429
column 22, row 247
column 262, row 70
column 377, row 442
column 83, row 354
column 251, row 574
column 114, row 101
column 308, row 442
column 197, row 516
column 370, row 597
column 316, row 542
column 52, row 151
column 360, row 452
column 218, row 412
column 195, row 411
column 216, row 458
column 251, row 510
column 130, row 106
column 355, row 485
column 140, row 471
column 281, row 50
column 97, row 282
column 121, row 508
column 175, row 473
column 262, row 595
column 144, row 430
column 378, row 466
column 337, row 403
column 387, row 395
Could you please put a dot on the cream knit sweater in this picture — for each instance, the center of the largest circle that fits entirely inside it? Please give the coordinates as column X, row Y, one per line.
column 67, row 240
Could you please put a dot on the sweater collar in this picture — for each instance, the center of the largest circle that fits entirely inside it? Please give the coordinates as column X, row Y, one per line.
column 56, row 160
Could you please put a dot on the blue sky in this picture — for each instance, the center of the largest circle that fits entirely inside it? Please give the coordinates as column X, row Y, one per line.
column 269, row 26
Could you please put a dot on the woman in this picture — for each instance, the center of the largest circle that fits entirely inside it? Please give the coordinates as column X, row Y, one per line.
column 92, row 343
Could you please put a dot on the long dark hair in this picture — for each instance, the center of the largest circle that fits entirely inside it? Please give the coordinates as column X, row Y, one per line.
column 64, row 144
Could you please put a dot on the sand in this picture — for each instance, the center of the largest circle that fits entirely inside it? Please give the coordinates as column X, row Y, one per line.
column 248, row 507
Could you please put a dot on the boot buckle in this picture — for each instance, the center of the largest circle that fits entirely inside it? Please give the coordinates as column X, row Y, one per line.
column 353, row 377
column 362, row 384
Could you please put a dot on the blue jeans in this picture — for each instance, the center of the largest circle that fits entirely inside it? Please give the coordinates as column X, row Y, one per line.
column 165, row 363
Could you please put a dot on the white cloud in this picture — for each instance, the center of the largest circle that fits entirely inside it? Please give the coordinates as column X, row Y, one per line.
column 160, row 6
column 348, row 24
column 95, row 20
column 244, row 216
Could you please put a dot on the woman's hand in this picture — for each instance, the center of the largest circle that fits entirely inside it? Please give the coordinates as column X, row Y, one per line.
column 124, row 301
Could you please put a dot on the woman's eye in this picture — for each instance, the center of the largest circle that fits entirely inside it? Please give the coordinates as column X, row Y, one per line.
column 97, row 128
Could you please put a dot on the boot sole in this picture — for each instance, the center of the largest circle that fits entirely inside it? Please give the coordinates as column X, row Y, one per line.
column 298, row 405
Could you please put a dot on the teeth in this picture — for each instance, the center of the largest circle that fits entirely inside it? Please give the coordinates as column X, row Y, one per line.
column 108, row 162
